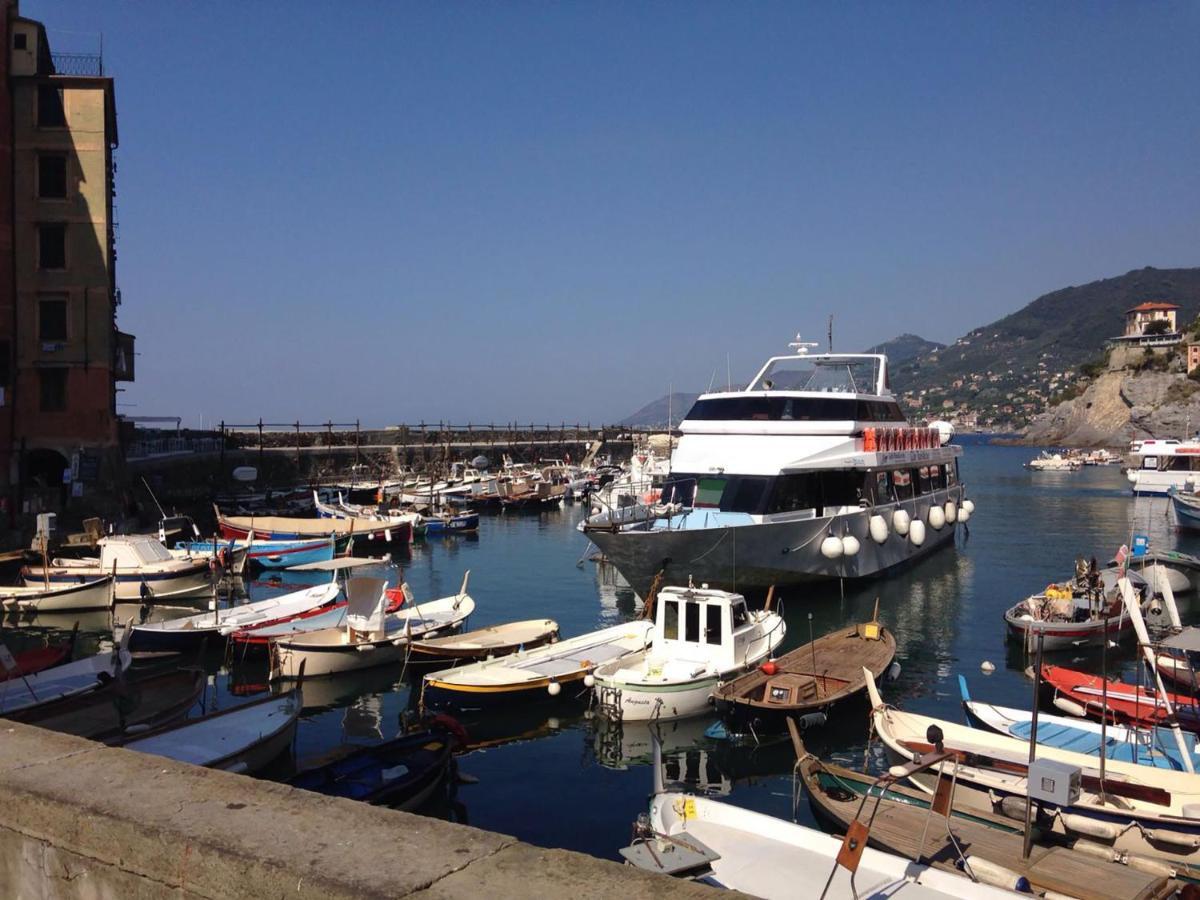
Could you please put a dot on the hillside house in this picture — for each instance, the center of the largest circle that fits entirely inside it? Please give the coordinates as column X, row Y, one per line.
column 1150, row 324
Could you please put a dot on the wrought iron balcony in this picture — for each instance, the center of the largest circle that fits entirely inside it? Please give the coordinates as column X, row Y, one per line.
column 88, row 64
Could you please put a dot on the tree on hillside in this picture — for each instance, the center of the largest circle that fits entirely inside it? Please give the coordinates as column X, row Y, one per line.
column 1158, row 326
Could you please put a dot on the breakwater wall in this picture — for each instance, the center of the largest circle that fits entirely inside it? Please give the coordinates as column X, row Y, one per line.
column 82, row 821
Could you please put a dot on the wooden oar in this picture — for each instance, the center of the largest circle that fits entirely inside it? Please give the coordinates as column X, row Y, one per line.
column 1145, row 793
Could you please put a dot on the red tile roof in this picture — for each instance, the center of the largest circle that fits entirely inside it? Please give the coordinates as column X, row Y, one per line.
column 1151, row 307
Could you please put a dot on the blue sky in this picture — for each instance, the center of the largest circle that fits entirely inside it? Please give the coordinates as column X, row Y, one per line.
column 547, row 212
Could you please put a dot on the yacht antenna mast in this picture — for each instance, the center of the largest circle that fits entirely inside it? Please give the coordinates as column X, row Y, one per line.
column 801, row 347
column 831, row 332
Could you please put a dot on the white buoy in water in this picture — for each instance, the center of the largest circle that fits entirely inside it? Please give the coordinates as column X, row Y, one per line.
column 987, row 667
column 589, row 680
column 901, row 521
column 850, row 545
column 878, row 528
column 554, row 688
column 937, row 518
column 831, row 547
column 968, row 506
column 916, row 532
column 951, row 512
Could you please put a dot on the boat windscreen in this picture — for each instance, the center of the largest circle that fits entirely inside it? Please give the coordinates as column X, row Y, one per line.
column 848, row 375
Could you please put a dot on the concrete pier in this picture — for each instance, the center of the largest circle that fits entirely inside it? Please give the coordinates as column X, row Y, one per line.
column 81, row 820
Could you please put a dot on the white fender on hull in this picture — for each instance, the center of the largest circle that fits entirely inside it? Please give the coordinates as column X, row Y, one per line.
column 951, row 512
column 901, row 521
column 937, row 518
column 916, row 533
column 878, row 528
column 851, row 545
column 832, row 547
column 968, row 506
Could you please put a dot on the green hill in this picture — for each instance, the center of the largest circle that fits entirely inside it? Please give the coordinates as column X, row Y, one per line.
column 905, row 347
column 1007, row 370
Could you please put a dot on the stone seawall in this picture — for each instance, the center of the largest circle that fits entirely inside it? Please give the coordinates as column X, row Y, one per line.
column 83, row 821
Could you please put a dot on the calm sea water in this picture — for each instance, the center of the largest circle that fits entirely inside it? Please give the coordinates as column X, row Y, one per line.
column 567, row 781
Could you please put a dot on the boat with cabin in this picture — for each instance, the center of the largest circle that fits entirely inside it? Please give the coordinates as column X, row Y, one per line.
column 1161, row 464
column 701, row 636
column 810, row 472
column 140, row 563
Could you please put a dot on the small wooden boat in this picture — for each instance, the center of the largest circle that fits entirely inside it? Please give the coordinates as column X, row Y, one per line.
column 1141, row 810
column 484, row 643
column 189, row 631
column 401, row 773
column 767, row 857
column 1127, row 704
column 1187, row 509
column 142, row 566
column 70, row 679
column 444, row 523
column 700, row 636
column 331, row 616
column 37, row 659
column 903, row 822
column 1143, row 746
column 243, row 739
column 290, row 528
column 562, row 670
column 83, row 595
column 371, row 636
column 1082, row 612
column 120, row 709
column 808, row 680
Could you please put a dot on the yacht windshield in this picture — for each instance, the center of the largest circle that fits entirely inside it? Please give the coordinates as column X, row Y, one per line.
column 838, row 374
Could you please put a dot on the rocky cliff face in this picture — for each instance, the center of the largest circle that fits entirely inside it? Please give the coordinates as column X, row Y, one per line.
column 1120, row 406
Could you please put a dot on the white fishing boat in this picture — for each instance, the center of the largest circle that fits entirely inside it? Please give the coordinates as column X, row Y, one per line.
column 370, row 635
column 86, row 595
column 1054, row 462
column 767, row 857
column 811, row 472
column 141, row 565
column 700, row 637
column 562, row 670
column 79, row 677
column 1145, row 811
column 380, row 515
column 190, row 631
column 242, row 739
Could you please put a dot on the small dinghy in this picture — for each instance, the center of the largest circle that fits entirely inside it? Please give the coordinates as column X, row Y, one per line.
column 1085, row 611
column 85, row 595
column 443, row 523
column 121, row 709
column 370, row 635
column 1187, row 509
column 53, row 685
column 401, row 773
column 804, row 683
column 243, row 739
column 190, row 631
column 485, row 643
column 700, row 637
column 1144, row 746
column 1127, row 704
column 562, row 670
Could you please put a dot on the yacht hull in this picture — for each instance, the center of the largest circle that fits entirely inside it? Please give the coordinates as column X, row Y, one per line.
column 777, row 553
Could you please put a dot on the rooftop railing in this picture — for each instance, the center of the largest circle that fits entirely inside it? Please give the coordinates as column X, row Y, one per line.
column 86, row 64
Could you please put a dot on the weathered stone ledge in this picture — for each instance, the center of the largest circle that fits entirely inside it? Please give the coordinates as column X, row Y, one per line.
column 81, row 820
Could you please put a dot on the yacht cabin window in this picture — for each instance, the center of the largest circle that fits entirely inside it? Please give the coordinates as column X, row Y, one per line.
column 883, row 488
column 712, row 624
column 740, row 617
column 1149, row 462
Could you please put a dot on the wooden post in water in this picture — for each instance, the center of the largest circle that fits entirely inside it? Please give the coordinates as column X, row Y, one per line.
column 1037, row 683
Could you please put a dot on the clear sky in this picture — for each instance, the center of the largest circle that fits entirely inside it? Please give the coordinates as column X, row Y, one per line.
column 549, row 211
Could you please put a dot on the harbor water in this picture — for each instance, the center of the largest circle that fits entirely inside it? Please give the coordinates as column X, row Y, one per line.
column 561, row 778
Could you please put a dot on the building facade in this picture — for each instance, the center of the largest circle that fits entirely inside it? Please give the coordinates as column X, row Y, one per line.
column 61, row 354
column 1138, row 319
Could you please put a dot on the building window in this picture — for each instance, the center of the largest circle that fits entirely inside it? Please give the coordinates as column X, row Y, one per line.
column 53, row 389
column 50, row 110
column 52, row 246
column 20, row 41
column 52, row 319
column 52, row 177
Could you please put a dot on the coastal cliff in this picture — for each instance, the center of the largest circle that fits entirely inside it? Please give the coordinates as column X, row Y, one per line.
column 1123, row 403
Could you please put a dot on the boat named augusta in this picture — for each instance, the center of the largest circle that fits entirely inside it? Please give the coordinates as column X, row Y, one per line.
column 811, row 472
